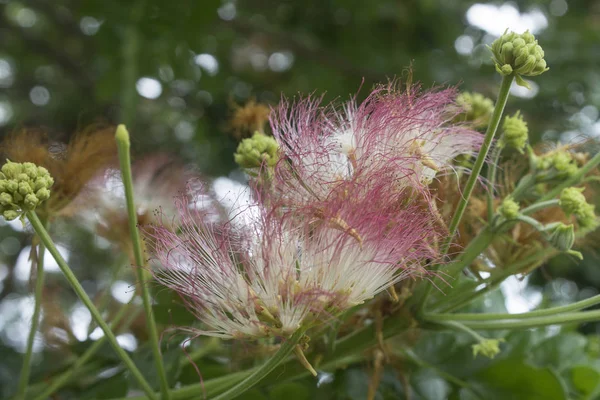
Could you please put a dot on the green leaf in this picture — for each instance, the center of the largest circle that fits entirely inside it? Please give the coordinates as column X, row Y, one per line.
column 428, row 384
column 585, row 379
column 515, row 380
column 561, row 351
column 115, row 386
column 290, row 391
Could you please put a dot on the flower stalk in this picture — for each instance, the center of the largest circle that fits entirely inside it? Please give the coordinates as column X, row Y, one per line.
column 285, row 350
column 74, row 282
column 35, row 321
column 123, row 146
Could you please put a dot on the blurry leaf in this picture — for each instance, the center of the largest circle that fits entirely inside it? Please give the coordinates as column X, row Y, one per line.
column 427, row 383
column 515, row 380
column 290, row 391
column 560, row 352
column 172, row 315
column 113, row 387
column 144, row 360
column 585, row 379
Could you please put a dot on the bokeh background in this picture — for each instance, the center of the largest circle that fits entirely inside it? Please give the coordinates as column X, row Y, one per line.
column 176, row 71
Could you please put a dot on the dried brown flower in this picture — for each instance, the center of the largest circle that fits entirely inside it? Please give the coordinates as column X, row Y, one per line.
column 249, row 118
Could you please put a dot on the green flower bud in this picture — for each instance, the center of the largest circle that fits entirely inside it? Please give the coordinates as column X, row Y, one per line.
column 257, row 151
column 25, row 186
column 9, row 215
column 488, row 347
column 515, row 132
column 477, row 108
column 6, row 199
column 562, row 237
column 11, row 170
column 43, row 194
column 573, row 202
column 558, row 164
column 509, row 208
column 518, row 54
column 30, row 202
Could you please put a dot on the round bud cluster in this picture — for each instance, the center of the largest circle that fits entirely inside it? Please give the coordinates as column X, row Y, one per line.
column 561, row 162
column 518, row 54
column 515, row 132
column 23, row 186
column 573, row 202
column 509, row 208
column 257, row 151
column 476, row 108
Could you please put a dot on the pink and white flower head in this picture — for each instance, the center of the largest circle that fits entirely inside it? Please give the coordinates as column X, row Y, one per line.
column 273, row 276
column 395, row 138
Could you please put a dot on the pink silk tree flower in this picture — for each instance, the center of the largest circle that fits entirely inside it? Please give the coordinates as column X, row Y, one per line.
column 273, row 276
column 393, row 139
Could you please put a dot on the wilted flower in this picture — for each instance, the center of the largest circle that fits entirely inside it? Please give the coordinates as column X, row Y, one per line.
column 249, row 118
column 273, row 277
column 71, row 165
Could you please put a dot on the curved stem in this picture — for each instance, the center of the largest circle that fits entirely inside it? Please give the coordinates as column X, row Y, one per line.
column 539, row 206
column 576, row 317
column 470, row 185
column 35, row 321
column 63, row 378
column 285, row 350
column 123, row 145
column 72, row 279
column 531, row 314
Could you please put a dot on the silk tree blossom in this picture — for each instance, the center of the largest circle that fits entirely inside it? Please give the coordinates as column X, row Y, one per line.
column 394, row 138
column 272, row 277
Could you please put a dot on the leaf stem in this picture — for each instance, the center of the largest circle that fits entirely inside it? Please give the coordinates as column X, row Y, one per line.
column 285, row 350
column 123, row 146
column 531, row 314
column 35, row 321
column 470, row 185
column 539, row 206
column 535, row 322
column 491, row 180
column 63, row 378
column 72, row 279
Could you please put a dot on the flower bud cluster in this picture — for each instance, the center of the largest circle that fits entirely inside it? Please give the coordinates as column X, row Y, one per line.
column 23, row 186
column 257, row 151
column 573, row 202
column 476, row 108
column 559, row 164
column 509, row 208
column 515, row 132
column 518, row 54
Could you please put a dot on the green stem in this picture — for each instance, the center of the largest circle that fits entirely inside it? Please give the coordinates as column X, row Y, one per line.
column 531, row 314
column 465, row 297
column 35, row 320
column 471, row 252
column 491, row 181
column 63, row 378
column 130, row 50
column 123, row 145
column 576, row 317
column 72, row 279
column 285, row 350
column 457, row 326
column 470, row 185
column 356, row 342
column 483, row 152
column 575, row 179
column 539, row 206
